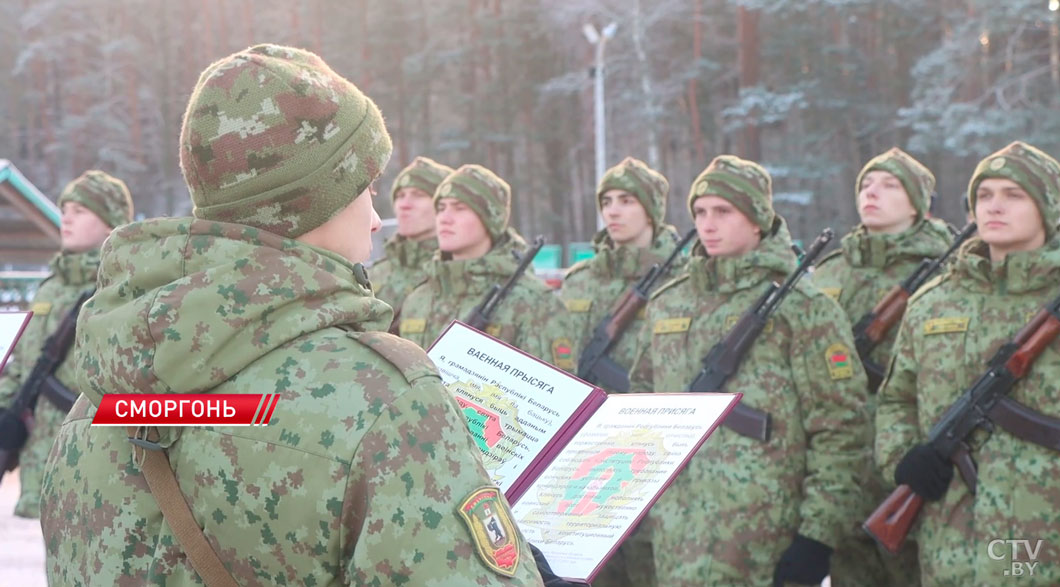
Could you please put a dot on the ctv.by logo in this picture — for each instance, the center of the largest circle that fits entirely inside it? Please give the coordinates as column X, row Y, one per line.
column 1019, row 568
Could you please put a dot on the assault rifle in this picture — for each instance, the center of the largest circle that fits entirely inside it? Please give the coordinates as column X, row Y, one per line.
column 873, row 327
column 983, row 405
column 594, row 365
column 17, row 420
column 481, row 314
column 725, row 357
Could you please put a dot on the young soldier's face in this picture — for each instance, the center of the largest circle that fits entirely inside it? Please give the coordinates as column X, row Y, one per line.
column 883, row 203
column 723, row 229
column 460, row 231
column 414, row 210
column 626, row 219
column 348, row 233
column 81, row 229
column 1007, row 216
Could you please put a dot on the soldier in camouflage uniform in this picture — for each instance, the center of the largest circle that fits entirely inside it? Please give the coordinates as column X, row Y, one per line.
column 359, row 477
column 401, row 270
column 744, row 512
column 893, row 197
column 475, row 251
column 950, row 330
column 92, row 205
column 631, row 198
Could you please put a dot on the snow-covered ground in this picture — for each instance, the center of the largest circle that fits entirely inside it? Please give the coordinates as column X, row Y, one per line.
column 21, row 544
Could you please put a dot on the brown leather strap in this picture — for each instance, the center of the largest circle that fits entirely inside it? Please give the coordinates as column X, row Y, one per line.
column 175, row 510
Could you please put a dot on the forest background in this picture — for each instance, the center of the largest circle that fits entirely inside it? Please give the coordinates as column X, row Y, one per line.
column 810, row 88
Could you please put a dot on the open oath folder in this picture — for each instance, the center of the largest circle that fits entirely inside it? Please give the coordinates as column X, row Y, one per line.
column 12, row 325
column 580, row 468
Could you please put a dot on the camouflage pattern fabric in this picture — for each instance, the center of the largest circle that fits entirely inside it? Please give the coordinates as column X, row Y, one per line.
column 1035, row 171
column 105, row 195
column 858, row 275
column 274, row 139
column 531, row 318
column 591, row 287
column 738, row 504
column 357, row 479
column 918, row 181
column 647, row 185
column 401, row 270
column 423, row 173
column 72, row 274
column 484, row 192
column 745, row 184
column 951, row 328
column 867, row 266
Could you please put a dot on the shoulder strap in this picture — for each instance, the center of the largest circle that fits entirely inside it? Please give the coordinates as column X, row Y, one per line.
column 175, row 510
column 405, row 355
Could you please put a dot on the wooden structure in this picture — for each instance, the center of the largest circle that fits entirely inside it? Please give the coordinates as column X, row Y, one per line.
column 29, row 222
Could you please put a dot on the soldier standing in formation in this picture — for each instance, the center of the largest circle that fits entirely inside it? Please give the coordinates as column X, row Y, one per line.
column 631, row 198
column 477, row 249
column 92, row 206
column 893, row 198
column 952, row 327
column 743, row 511
column 401, row 269
column 361, row 473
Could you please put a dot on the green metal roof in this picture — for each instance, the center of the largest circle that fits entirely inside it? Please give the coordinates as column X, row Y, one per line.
column 11, row 174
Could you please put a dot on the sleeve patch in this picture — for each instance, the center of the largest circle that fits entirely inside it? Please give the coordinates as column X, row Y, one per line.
column 946, row 325
column 839, row 361
column 492, row 531
column 562, row 355
column 672, row 325
column 832, row 292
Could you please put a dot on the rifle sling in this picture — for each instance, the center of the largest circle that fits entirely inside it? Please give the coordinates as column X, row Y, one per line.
column 1026, row 424
column 162, row 482
column 58, row 394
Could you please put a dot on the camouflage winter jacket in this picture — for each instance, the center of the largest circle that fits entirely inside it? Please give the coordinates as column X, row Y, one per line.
column 531, row 318
column 739, row 503
column 867, row 266
column 591, row 287
column 951, row 329
column 401, row 270
column 357, row 479
column 72, row 274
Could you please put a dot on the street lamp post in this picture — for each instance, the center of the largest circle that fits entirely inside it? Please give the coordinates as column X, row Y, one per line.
column 599, row 40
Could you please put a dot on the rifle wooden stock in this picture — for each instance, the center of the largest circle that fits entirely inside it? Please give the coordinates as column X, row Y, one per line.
column 975, row 408
column 890, row 523
column 887, row 314
column 624, row 313
column 1034, row 338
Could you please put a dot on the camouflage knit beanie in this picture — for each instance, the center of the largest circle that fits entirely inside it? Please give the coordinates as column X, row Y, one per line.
column 745, row 184
column 105, row 195
column 918, row 181
column 644, row 183
column 485, row 193
column 274, row 139
column 423, row 173
column 1037, row 173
